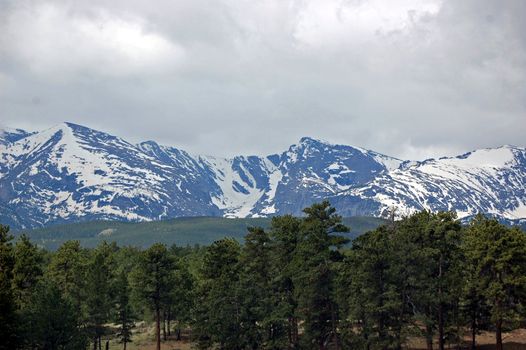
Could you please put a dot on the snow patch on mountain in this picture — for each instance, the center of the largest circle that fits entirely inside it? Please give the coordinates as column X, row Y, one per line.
column 238, row 194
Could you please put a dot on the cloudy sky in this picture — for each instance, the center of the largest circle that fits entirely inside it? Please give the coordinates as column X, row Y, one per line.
column 409, row 78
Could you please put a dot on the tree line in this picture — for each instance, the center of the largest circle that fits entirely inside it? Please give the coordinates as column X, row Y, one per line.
column 297, row 285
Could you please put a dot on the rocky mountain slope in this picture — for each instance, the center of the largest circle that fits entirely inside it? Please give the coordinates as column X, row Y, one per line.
column 71, row 172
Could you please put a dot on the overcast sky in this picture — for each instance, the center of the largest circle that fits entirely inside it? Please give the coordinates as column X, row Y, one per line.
column 408, row 78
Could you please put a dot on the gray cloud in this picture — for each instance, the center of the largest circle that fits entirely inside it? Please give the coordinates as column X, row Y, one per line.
column 409, row 78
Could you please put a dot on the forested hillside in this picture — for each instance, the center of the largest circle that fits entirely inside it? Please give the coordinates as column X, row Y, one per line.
column 179, row 231
column 294, row 284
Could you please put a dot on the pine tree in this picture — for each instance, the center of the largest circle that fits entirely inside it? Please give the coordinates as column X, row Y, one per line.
column 27, row 270
column 53, row 322
column 498, row 257
column 372, row 291
column 285, row 235
column 124, row 314
column 8, row 318
column 314, row 258
column 257, row 327
column 67, row 270
column 183, row 293
column 473, row 306
column 152, row 279
column 430, row 253
column 98, row 293
column 218, row 309
column 445, row 238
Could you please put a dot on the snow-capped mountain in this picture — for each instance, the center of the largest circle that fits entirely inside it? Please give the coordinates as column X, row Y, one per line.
column 70, row 173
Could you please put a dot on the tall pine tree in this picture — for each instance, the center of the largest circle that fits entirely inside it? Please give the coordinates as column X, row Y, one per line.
column 8, row 318
column 372, row 291
column 152, row 282
column 285, row 235
column 257, row 328
column 218, row 308
column 315, row 256
column 124, row 316
column 98, row 299
column 498, row 256
column 27, row 270
column 53, row 321
column 429, row 251
column 67, row 270
column 183, row 296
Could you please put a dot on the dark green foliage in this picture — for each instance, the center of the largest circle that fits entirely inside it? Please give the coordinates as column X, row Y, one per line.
column 498, row 256
column 99, row 291
column 152, row 281
column 295, row 283
column 52, row 321
column 181, row 231
column 8, row 319
column 371, row 287
column 217, row 313
column 431, row 256
column 254, row 297
column 234, row 298
column 124, row 316
column 27, row 270
column 406, row 279
column 182, row 296
column 257, row 328
column 284, row 235
column 67, row 270
column 314, row 259
column 473, row 307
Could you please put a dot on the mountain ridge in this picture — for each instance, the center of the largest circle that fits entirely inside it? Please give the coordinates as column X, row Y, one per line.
column 71, row 172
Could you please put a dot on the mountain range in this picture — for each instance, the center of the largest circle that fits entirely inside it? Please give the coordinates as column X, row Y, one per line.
column 71, row 173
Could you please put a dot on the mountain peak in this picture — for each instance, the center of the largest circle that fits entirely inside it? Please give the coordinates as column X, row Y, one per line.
column 309, row 139
column 74, row 126
column 64, row 128
column 62, row 125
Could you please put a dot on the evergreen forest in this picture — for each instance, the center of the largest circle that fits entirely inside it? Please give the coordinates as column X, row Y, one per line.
column 297, row 284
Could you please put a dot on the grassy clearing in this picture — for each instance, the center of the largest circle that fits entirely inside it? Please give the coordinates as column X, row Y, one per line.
column 144, row 339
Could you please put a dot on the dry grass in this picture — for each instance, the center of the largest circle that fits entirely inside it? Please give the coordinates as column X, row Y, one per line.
column 144, row 339
column 514, row 340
